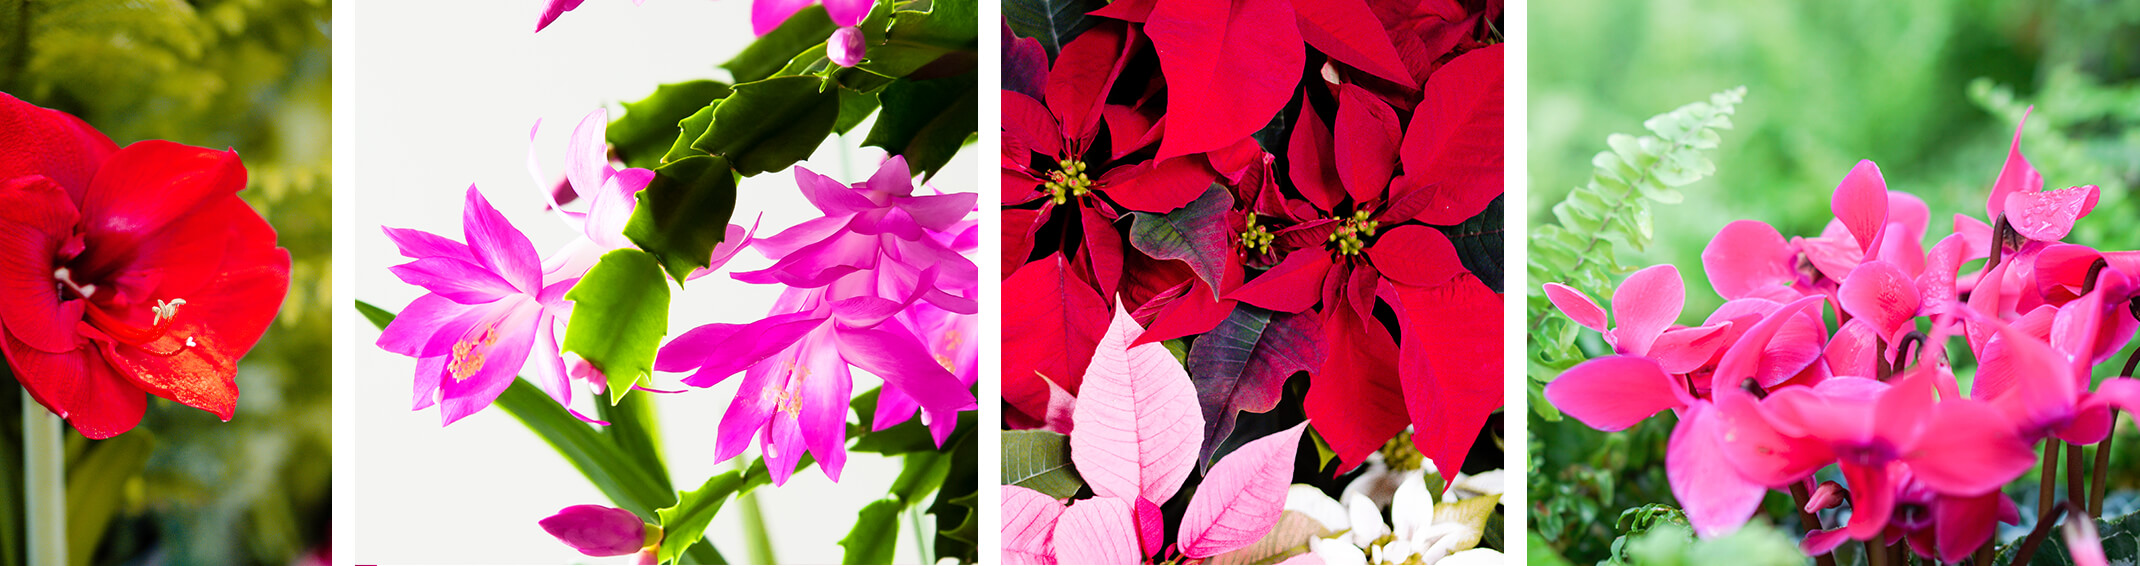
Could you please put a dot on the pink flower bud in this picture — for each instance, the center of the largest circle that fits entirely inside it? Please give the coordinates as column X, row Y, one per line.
column 595, row 530
column 1829, row 494
column 845, row 48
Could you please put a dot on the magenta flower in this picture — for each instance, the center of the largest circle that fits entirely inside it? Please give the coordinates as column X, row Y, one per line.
column 611, row 195
column 489, row 308
column 556, row 8
column 865, row 283
column 765, row 15
column 595, row 530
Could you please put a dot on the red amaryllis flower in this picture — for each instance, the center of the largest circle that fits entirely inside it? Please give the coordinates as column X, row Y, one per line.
column 125, row 271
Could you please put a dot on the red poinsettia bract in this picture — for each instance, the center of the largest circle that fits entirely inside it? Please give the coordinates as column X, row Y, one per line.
column 127, row 271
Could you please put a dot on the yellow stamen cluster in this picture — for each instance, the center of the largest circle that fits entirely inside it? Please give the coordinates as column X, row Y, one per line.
column 1401, row 455
column 1068, row 182
column 952, row 340
column 1352, row 233
column 1255, row 238
column 468, row 354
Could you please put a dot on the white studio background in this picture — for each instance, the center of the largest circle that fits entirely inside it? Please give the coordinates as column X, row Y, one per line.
column 445, row 94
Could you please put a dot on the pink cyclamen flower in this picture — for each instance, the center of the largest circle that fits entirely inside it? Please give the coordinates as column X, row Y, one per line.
column 487, row 312
column 611, row 195
column 863, row 281
column 595, row 530
column 555, row 8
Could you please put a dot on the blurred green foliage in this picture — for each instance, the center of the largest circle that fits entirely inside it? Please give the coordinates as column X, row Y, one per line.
column 251, row 75
column 1930, row 90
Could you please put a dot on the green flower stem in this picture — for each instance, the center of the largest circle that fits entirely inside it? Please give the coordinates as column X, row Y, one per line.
column 754, row 533
column 44, row 483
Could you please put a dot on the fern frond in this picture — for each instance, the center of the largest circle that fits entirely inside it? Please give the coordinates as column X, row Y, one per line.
column 1609, row 214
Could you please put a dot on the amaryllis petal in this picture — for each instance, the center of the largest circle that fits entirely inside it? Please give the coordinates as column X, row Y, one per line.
column 1138, row 422
column 79, row 387
column 1029, row 519
column 49, row 143
column 1204, row 46
column 118, row 214
column 1097, row 531
column 1717, row 500
column 36, row 221
column 1612, row 393
column 1241, row 498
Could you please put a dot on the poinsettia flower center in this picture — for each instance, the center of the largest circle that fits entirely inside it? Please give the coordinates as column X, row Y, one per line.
column 1353, row 232
column 1255, row 237
column 1069, row 181
column 1401, row 455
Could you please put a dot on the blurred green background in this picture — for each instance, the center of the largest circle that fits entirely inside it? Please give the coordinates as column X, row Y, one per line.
column 252, row 75
column 1930, row 90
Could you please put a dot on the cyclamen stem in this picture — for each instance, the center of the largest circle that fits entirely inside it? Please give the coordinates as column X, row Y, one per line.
column 2076, row 482
column 1875, row 553
column 2102, row 469
column 44, row 483
column 2043, row 528
column 1810, row 520
column 2047, row 489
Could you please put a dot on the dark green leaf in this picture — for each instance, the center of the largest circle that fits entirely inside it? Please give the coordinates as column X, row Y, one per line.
column 771, row 124
column 1478, row 243
column 93, row 495
column 1053, row 22
column 808, row 27
column 689, row 130
column 927, row 121
column 685, row 522
column 876, row 534
column 378, row 316
column 1242, row 365
column 633, row 429
column 650, row 126
column 629, row 486
column 1040, row 460
column 854, row 108
column 683, row 213
column 918, row 39
column 620, row 312
column 920, row 473
column 1195, row 234
column 954, row 507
